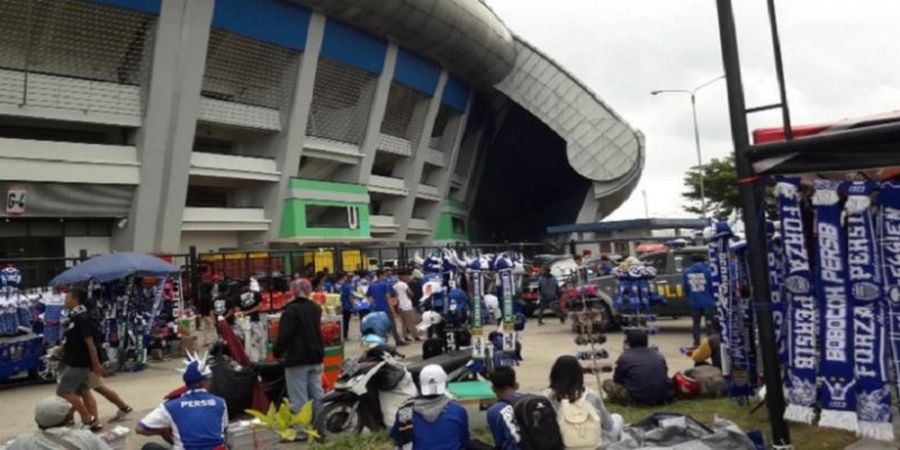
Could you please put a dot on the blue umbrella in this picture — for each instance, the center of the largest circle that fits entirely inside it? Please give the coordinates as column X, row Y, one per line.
column 114, row 266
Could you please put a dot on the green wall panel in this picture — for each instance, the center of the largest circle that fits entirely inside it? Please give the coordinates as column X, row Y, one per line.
column 293, row 224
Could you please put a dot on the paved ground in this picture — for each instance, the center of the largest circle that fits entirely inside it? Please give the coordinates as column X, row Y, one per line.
column 143, row 390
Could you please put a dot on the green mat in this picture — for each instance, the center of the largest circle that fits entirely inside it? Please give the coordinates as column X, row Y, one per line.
column 471, row 390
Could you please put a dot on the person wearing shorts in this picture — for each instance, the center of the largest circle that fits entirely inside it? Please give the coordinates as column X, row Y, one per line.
column 80, row 358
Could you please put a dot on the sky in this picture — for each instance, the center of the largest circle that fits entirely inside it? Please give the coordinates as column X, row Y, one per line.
column 840, row 57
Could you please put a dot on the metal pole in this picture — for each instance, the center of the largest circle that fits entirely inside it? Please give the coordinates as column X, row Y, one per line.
column 699, row 157
column 779, row 72
column 752, row 192
column 646, row 207
column 194, row 274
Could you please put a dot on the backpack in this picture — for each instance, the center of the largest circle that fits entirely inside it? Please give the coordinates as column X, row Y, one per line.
column 579, row 424
column 432, row 347
column 710, row 379
column 537, row 423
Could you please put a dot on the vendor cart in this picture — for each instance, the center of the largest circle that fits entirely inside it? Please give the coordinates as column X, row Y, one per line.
column 25, row 355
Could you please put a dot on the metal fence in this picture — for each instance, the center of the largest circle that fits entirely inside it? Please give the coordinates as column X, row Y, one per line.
column 274, row 267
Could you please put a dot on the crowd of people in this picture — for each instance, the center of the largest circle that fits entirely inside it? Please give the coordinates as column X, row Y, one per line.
column 197, row 418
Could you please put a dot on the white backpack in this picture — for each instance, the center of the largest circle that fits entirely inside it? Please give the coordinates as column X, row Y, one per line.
column 579, row 424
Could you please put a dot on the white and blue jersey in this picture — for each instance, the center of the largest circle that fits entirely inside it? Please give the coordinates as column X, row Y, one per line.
column 197, row 419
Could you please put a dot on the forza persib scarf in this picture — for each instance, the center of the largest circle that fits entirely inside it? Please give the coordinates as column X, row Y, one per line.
column 890, row 254
column 801, row 385
column 721, row 276
column 740, row 353
column 872, row 394
column 836, row 391
column 776, row 288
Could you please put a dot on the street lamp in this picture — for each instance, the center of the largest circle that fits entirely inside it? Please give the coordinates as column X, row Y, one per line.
column 693, row 94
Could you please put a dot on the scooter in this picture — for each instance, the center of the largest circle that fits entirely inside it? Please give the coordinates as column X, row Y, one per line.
column 368, row 394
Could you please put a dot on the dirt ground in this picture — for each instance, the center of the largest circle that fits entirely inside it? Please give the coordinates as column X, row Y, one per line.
column 144, row 390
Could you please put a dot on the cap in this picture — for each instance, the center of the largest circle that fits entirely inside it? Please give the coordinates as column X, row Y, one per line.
column 433, row 380
column 417, row 274
column 51, row 412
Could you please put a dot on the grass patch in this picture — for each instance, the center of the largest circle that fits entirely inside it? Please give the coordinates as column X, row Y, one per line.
column 803, row 436
column 376, row 441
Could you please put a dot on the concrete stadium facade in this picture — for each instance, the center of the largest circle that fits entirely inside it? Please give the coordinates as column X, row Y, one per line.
column 155, row 125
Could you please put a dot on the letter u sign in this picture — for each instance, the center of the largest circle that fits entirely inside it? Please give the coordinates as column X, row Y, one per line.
column 353, row 217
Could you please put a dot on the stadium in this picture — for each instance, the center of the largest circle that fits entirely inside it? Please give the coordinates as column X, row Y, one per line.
column 156, row 125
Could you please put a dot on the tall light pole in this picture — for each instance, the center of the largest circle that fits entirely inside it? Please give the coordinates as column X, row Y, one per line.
column 693, row 94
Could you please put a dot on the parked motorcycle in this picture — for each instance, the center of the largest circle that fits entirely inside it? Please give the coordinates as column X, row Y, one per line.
column 368, row 394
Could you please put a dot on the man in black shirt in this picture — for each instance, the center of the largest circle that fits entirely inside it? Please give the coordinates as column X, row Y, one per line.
column 224, row 306
column 248, row 323
column 641, row 376
column 300, row 345
column 80, row 357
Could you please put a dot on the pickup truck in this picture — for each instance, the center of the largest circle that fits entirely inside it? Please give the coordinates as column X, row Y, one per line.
column 669, row 280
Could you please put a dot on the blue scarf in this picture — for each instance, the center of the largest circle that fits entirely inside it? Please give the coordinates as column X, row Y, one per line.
column 776, row 288
column 890, row 257
column 872, row 394
column 802, row 364
column 835, row 331
column 721, row 282
column 740, row 384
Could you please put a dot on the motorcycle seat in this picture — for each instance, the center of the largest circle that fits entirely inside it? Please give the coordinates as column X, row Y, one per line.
column 448, row 361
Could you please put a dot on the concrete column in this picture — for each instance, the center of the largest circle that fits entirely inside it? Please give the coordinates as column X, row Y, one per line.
column 369, row 147
column 445, row 176
column 413, row 171
column 467, row 181
column 166, row 137
column 288, row 144
column 589, row 209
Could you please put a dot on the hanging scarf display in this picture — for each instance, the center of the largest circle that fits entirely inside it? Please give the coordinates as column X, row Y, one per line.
column 504, row 266
column 721, row 276
column 836, row 392
column 740, row 328
column 476, row 268
column 776, row 288
column 801, row 385
column 889, row 197
column 872, row 394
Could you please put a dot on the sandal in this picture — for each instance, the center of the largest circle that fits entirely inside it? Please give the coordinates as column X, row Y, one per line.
column 94, row 425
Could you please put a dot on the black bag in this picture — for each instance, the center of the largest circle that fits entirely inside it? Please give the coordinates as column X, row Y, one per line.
column 537, row 423
column 235, row 386
column 432, row 347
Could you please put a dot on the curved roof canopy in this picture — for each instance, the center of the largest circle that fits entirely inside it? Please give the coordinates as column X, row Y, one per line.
column 463, row 35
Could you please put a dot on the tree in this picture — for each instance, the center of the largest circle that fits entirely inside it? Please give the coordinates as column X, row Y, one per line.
column 720, row 183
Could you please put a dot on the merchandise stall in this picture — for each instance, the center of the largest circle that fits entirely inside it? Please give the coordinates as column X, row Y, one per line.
column 825, row 302
column 139, row 304
column 29, row 323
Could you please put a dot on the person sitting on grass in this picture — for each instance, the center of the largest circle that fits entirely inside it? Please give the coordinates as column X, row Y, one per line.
column 567, row 382
column 432, row 420
column 195, row 420
column 709, row 350
column 641, row 375
column 51, row 415
column 500, row 416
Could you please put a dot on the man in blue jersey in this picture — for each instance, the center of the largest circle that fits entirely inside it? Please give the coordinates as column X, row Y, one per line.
column 698, row 287
column 378, row 296
column 500, row 417
column 194, row 421
column 432, row 420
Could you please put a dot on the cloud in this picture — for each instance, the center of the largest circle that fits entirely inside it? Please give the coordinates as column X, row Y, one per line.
column 839, row 62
